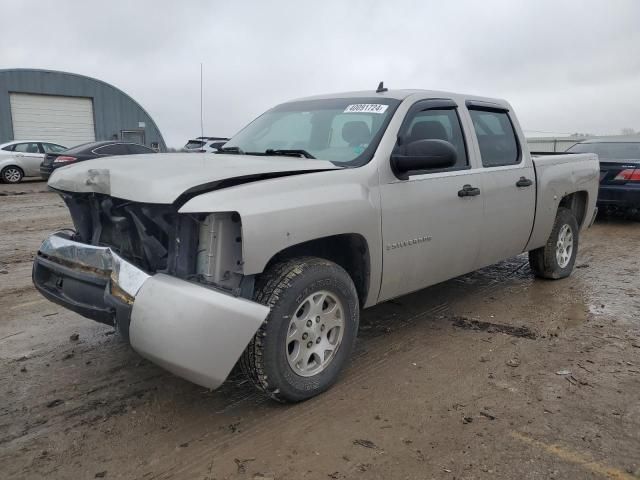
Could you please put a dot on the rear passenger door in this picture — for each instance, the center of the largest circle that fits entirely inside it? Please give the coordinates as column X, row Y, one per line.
column 430, row 225
column 508, row 184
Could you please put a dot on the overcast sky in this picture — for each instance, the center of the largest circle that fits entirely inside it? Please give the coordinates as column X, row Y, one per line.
column 566, row 66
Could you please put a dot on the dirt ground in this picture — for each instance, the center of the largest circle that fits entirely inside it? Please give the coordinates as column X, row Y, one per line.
column 490, row 375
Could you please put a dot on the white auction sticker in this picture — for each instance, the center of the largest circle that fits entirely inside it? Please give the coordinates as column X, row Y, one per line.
column 366, row 108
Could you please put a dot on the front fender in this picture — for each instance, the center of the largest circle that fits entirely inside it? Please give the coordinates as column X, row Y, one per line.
column 282, row 212
column 11, row 161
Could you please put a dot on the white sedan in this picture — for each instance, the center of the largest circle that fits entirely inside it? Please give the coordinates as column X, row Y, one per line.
column 22, row 158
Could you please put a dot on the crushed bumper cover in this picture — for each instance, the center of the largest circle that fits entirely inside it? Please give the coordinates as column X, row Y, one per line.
column 193, row 331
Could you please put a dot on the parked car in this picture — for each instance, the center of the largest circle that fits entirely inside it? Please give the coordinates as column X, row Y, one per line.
column 22, row 158
column 265, row 253
column 205, row 144
column 619, row 172
column 89, row 151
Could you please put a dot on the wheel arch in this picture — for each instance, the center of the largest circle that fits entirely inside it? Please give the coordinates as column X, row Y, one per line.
column 577, row 202
column 349, row 250
column 580, row 202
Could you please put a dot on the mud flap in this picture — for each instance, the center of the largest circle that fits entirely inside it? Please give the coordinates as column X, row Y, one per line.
column 192, row 331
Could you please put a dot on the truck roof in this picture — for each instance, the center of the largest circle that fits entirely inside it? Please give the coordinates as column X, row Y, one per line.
column 401, row 94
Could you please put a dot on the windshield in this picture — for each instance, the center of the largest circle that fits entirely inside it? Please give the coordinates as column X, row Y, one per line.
column 345, row 131
column 609, row 150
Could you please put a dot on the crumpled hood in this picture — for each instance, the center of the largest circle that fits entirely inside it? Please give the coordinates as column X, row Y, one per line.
column 162, row 178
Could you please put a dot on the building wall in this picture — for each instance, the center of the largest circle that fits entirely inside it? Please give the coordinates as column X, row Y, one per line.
column 113, row 109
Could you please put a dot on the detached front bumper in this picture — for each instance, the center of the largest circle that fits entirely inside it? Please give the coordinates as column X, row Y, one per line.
column 193, row 331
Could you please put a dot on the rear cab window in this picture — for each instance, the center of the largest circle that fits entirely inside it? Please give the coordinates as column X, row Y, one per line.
column 496, row 136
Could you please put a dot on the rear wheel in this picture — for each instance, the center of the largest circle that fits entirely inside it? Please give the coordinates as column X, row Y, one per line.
column 11, row 174
column 556, row 259
column 308, row 336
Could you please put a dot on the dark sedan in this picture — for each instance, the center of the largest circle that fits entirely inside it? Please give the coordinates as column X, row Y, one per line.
column 619, row 172
column 88, row 151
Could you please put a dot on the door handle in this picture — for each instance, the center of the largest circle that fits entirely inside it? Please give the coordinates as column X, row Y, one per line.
column 524, row 182
column 468, row 191
column 19, row 155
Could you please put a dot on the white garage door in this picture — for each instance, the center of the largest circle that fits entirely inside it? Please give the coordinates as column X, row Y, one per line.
column 64, row 120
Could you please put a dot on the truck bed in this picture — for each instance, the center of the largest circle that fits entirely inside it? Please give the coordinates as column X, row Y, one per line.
column 556, row 176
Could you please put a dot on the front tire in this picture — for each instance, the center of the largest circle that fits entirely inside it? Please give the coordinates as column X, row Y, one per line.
column 308, row 336
column 556, row 259
column 11, row 174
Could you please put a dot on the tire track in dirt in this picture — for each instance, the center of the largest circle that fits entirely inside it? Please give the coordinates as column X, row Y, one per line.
column 479, row 284
column 363, row 369
column 391, row 334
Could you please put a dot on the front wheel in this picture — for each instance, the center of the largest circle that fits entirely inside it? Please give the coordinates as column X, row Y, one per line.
column 556, row 259
column 308, row 336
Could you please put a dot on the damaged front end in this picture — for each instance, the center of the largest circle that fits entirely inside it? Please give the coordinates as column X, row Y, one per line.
column 159, row 276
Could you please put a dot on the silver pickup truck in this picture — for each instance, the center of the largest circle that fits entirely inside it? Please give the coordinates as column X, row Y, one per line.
column 264, row 253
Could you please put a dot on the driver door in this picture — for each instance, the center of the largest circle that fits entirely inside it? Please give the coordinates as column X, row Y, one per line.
column 430, row 229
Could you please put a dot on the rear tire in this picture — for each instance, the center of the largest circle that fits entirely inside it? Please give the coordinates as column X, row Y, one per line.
column 309, row 334
column 11, row 174
column 556, row 259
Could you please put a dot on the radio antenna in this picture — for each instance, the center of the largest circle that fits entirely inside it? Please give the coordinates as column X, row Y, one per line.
column 201, row 108
column 381, row 88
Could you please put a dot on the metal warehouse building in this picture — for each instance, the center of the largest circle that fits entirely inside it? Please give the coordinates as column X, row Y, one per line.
column 70, row 109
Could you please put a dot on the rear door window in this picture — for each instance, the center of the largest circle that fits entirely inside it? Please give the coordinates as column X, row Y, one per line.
column 496, row 138
column 52, row 148
column 136, row 149
column 113, row 149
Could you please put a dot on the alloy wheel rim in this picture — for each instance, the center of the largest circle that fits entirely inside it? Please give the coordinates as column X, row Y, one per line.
column 315, row 333
column 564, row 246
column 12, row 175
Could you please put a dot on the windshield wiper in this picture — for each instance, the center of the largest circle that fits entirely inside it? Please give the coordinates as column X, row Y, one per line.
column 237, row 150
column 289, row 152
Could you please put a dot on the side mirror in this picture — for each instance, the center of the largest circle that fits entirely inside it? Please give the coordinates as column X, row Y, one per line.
column 422, row 155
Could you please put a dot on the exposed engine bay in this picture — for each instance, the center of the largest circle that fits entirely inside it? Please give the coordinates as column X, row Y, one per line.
column 206, row 248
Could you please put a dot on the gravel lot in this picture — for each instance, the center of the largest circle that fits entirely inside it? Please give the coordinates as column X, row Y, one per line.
column 490, row 375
